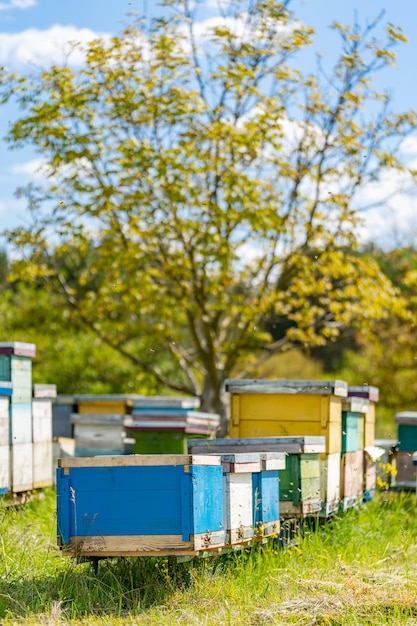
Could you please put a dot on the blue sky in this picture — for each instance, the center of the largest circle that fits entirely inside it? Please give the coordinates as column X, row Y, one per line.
column 35, row 31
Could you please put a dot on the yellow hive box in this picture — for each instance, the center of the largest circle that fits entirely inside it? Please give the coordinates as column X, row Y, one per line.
column 102, row 405
column 266, row 408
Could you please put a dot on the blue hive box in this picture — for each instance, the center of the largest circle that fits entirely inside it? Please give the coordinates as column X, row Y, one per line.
column 140, row 505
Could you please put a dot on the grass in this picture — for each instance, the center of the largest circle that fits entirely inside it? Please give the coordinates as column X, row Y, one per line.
column 357, row 570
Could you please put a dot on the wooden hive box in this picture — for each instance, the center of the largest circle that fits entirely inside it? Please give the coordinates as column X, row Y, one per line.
column 43, row 473
column 63, row 406
column 148, row 403
column 406, row 476
column 97, row 434
column 266, row 408
column 5, row 393
column 21, row 423
column 18, row 371
column 354, row 411
column 330, row 483
column 102, row 404
column 21, row 464
column 371, row 459
column 44, row 391
column 167, row 431
column 42, row 420
column 251, row 488
column 299, row 481
column 352, row 477
column 387, row 460
column 141, row 505
column 371, row 394
column 407, row 431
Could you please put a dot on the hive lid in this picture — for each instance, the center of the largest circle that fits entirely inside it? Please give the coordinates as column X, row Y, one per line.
column 96, row 418
column 364, row 391
column 285, row 445
column 44, row 391
column 284, row 386
column 164, row 402
column 115, row 397
column 406, row 417
column 140, row 460
column 18, row 348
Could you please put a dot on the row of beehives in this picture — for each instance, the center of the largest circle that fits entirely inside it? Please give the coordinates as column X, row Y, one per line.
column 26, row 450
column 212, row 499
column 132, row 505
column 125, row 424
column 26, row 446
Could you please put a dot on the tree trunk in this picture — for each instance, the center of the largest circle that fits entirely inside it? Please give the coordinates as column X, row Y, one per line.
column 214, row 399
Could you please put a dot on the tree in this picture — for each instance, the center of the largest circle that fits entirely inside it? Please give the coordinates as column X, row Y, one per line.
column 214, row 180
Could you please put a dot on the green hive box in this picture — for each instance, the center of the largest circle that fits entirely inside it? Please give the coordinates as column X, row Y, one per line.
column 299, row 484
column 157, row 442
column 18, row 371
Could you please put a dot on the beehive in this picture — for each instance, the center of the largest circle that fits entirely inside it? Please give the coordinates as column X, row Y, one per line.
column 299, row 481
column 371, row 394
column 5, row 393
column 330, row 483
column 354, row 410
column 352, row 478
column 266, row 408
column 141, row 505
column 251, row 495
column 97, row 434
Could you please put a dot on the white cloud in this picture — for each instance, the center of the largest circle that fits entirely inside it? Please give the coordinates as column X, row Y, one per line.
column 17, row 4
column 43, row 47
column 34, row 168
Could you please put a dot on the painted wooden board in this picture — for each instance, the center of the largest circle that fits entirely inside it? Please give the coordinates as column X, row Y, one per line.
column 4, row 431
column 370, row 478
column 369, row 435
column 352, row 474
column 62, row 447
column 163, row 441
column 21, row 467
column 6, row 388
column 266, row 505
column 352, row 404
column 21, row 423
column 42, row 464
column 406, row 476
column 5, row 480
column 407, row 437
column 330, row 482
column 364, row 391
column 102, row 406
column 18, row 348
column 44, row 391
column 42, row 420
column 285, row 445
column 352, row 431
column 142, row 498
column 285, row 407
column 267, row 428
column 142, row 460
column 143, row 545
column 239, row 514
column 283, row 386
column 406, row 417
column 165, row 402
column 61, row 417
